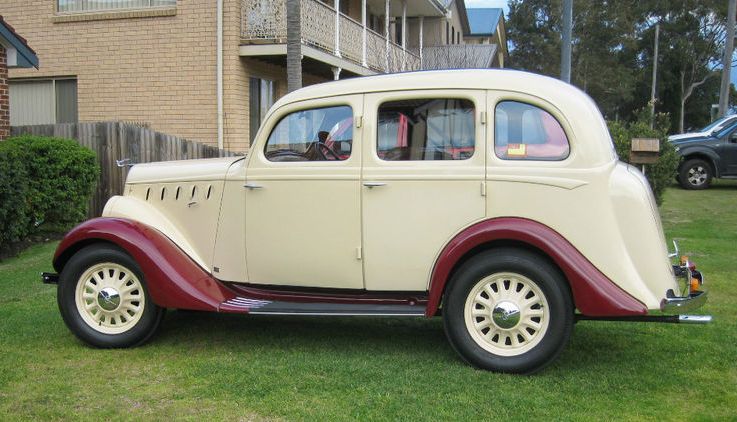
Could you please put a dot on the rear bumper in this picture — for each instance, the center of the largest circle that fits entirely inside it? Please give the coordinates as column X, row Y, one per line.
column 681, row 304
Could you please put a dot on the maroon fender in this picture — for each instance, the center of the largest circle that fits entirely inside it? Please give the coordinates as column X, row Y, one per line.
column 593, row 293
column 173, row 279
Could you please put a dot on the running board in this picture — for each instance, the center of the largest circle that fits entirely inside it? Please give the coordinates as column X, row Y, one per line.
column 266, row 307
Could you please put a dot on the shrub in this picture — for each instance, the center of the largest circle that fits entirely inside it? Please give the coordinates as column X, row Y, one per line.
column 660, row 174
column 60, row 177
column 13, row 192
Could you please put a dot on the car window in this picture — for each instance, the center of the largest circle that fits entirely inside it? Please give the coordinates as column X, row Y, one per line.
column 526, row 132
column 426, row 129
column 319, row 134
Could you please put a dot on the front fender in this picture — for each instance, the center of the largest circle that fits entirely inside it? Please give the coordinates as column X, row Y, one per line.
column 173, row 279
column 593, row 293
column 702, row 151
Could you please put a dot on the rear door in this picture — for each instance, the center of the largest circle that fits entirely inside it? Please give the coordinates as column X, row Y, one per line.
column 422, row 181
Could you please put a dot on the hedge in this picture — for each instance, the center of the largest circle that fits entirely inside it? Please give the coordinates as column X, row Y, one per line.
column 662, row 173
column 47, row 185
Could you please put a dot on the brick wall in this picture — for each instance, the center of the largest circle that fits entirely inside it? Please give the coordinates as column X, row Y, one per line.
column 4, row 100
column 148, row 66
column 159, row 70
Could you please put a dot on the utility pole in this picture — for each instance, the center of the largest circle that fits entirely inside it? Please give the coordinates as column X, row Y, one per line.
column 565, row 50
column 655, row 74
column 727, row 59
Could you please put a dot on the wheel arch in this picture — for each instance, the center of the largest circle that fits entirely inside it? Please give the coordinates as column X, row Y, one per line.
column 173, row 279
column 593, row 294
column 707, row 155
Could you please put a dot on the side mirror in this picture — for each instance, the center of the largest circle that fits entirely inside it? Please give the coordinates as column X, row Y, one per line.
column 733, row 137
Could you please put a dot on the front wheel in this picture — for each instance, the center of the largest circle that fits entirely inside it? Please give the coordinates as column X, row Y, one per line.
column 508, row 310
column 695, row 174
column 103, row 298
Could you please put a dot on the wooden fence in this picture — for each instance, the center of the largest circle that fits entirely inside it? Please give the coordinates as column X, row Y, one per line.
column 113, row 141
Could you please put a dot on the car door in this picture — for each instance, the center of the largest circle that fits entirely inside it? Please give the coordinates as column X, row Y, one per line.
column 422, row 181
column 727, row 150
column 302, row 197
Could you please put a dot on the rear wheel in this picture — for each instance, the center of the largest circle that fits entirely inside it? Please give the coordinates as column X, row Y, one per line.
column 508, row 310
column 103, row 298
column 695, row 174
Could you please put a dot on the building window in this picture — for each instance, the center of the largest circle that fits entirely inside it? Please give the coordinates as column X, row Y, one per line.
column 526, row 132
column 319, row 134
column 66, row 6
column 447, row 33
column 426, row 129
column 453, row 35
column 40, row 102
column 260, row 100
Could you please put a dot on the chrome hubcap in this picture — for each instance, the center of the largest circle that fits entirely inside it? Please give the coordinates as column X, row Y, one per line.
column 108, row 299
column 505, row 315
column 697, row 175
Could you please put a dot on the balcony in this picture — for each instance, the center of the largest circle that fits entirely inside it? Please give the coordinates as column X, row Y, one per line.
column 328, row 37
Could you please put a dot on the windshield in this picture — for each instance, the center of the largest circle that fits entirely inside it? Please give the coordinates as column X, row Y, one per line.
column 718, row 124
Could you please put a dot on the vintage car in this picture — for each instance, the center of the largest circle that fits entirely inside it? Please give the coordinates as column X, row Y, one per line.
column 492, row 198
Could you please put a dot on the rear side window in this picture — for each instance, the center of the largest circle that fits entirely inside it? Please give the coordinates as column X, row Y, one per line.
column 426, row 129
column 318, row 134
column 526, row 132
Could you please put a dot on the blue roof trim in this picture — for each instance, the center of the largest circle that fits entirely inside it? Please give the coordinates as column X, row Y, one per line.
column 484, row 21
column 26, row 56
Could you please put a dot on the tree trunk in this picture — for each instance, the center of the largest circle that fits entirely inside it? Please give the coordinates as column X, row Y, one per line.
column 294, row 45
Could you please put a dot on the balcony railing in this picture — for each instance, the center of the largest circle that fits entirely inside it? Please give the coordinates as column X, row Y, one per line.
column 266, row 21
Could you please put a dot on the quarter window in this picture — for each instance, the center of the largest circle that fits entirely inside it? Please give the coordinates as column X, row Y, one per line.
column 526, row 132
column 426, row 129
column 320, row 134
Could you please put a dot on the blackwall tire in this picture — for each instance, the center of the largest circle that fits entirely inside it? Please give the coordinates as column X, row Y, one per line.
column 103, row 298
column 695, row 174
column 508, row 310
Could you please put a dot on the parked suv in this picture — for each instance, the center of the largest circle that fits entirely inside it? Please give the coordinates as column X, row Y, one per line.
column 705, row 156
column 491, row 198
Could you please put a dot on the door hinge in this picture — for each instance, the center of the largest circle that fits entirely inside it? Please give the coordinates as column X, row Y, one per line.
column 483, row 117
column 359, row 121
column 359, row 253
column 483, row 188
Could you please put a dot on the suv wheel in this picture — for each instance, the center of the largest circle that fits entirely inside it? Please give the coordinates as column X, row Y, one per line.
column 103, row 298
column 695, row 174
column 508, row 310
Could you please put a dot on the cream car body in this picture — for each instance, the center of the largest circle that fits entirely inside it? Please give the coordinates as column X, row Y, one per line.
column 366, row 224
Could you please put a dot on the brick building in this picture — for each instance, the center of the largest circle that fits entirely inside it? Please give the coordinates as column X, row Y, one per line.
column 155, row 61
column 14, row 53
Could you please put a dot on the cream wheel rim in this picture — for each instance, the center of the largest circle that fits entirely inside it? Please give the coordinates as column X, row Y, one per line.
column 110, row 298
column 506, row 314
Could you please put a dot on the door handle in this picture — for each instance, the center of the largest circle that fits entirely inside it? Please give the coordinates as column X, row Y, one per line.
column 252, row 186
column 371, row 185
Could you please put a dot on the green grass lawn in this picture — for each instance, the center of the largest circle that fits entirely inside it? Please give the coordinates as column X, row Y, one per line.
column 255, row 368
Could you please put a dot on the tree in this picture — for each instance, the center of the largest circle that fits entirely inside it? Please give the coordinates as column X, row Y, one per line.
column 613, row 52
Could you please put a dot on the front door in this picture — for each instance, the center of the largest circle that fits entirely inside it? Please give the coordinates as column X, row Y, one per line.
column 422, row 181
column 302, row 197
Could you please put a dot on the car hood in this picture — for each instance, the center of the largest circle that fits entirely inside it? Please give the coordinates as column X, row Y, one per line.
column 691, row 138
column 687, row 135
column 182, row 170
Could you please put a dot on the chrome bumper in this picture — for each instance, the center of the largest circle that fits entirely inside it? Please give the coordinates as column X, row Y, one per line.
column 680, row 304
column 690, row 299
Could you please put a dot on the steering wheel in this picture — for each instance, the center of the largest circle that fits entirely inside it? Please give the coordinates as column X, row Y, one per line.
column 322, row 148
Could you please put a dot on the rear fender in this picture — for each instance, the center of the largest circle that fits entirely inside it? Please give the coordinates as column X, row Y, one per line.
column 173, row 279
column 593, row 293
